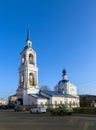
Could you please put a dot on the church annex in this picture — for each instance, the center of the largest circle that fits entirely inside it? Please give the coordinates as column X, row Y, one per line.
column 28, row 91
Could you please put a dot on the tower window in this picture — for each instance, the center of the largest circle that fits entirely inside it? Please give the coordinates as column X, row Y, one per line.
column 30, row 59
column 31, row 79
column 22, row 79
column 23, row 59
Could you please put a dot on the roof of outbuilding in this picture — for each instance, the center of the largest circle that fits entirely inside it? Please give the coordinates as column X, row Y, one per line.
column 38, row 96
column 58, row 94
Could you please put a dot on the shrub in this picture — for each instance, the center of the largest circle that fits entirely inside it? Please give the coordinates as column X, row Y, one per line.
column 85, row 110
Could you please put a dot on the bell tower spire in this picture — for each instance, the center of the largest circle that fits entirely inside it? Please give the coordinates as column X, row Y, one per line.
column 28, row 33
column 28, row 42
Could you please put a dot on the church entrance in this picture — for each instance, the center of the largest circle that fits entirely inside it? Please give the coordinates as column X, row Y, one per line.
column 20, row 100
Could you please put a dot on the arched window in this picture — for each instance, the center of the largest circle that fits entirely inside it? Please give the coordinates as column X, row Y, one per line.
column 30, row 59
column 73, row 103
column 22, row 79
column 31, row 79
column 23, row 59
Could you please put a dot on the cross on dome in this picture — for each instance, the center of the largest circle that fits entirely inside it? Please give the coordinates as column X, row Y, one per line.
column 64, row 72
column 64, row 75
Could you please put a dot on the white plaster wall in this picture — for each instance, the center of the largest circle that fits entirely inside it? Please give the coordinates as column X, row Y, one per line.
column 58, row 99
column 32, row 90
column 32, row 100
column 25, row 98
column 72, row 89
column 65, row 100
column 44, row 101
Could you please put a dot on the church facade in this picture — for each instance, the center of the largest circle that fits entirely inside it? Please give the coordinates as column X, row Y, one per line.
column 28, row 91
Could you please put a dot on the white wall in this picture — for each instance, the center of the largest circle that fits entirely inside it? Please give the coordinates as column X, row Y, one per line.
column 74, row 102
column 43, row 102
column 32, row 100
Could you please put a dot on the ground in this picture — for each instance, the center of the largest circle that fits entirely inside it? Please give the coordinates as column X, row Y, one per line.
column 10, row 120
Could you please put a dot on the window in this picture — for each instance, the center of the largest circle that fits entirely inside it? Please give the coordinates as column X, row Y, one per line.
column 23, row 59
column 73, row 103
column 60, row 102
column 31, row 79
column 30, row 59
column 41, row 104
column 55, row 102
column 65, row 102
column 22, row 79
column 70, row 103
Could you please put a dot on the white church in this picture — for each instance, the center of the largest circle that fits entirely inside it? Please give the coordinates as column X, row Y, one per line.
column 28, row 91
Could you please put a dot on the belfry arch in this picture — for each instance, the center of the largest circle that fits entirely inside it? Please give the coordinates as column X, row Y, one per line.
column 23, row 59
column 22, row 79
column 31, row 59
column 31, row 79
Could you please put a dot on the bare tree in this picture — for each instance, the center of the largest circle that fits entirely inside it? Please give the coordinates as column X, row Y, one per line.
column 44, row 87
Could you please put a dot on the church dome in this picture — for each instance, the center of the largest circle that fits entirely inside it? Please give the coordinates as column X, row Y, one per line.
column 65, row 86
column 64, row 72
column 64, row 77
column 63, row 81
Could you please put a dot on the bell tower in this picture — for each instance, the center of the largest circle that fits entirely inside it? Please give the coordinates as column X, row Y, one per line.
column 28, row 72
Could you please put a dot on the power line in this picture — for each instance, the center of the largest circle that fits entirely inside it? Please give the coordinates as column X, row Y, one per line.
column 86, row 82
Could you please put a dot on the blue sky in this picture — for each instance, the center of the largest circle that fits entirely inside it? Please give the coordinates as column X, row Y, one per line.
column 63, row 33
